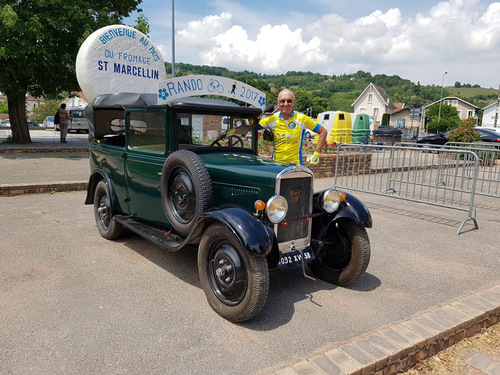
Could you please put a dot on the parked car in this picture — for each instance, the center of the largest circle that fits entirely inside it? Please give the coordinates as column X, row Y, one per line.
column 488, row 135
column 497, row 130
column 309, row 134
column 438, row 139
column 169, row 173
column 441, row 138
column 48, row 122
column 33, row 123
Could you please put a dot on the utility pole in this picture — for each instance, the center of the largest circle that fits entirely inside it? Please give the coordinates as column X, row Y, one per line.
column 498, row 105
column 173, row 40
column 441, row 98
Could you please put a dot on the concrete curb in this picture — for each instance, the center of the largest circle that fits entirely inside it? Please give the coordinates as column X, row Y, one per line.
column 400, row 346
column 41, row 149
column 20, row 189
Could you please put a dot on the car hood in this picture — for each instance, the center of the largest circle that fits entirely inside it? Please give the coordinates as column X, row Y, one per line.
column 243, row 169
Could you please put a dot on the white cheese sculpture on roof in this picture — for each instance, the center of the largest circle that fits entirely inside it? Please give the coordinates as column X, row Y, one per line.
column 118, row 58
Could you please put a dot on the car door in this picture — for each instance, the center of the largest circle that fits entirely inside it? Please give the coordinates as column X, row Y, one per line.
column 144, row 158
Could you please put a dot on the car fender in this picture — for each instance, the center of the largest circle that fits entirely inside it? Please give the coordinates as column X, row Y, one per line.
column 352, row 209
column 355, row 210
column 254, row 236
column 94, row 179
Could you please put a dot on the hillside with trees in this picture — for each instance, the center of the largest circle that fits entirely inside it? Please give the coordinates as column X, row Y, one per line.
column 317, row 93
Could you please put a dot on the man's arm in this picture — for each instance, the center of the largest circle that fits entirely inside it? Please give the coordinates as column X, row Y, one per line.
column 322, row 134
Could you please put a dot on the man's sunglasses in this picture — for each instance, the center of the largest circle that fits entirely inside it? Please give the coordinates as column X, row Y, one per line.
column 285, row 100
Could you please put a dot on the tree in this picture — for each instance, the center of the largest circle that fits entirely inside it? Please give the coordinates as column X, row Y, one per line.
column 49, row 108
column 319, row 105
column 142, row 24
column 449, row 118
column 465, row 132
column 303, row 101
column 38, row 47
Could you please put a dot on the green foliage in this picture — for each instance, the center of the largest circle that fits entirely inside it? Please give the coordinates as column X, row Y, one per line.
column 449, row 118
column 326, row 93
column 4, row 108
column 38, row 47
column 385, row 119
column 49, row 108
column 142, row 24
column 465, row 132
column 303, row 101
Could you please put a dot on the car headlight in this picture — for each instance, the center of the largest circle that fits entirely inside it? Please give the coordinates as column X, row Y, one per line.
column 330, row 200
column 276, row 208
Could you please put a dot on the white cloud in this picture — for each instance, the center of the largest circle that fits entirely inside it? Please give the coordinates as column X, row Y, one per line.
column 453, row 35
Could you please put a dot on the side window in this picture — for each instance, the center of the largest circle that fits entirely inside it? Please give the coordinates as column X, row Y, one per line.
column 147, row 131
column 109, row 127
column 184, row 129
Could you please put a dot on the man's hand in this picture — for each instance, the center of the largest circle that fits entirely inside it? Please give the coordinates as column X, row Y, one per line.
column 314, row 158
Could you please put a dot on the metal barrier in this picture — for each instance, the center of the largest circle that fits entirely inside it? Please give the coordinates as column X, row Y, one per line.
column 441, row 176
column 488, row 179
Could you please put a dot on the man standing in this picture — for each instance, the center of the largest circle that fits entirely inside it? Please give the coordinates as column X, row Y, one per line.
column 288, row 129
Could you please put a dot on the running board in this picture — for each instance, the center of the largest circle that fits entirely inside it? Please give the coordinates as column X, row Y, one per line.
column 168, row 240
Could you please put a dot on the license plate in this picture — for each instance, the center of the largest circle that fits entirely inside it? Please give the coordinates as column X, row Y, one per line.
column 294, row 259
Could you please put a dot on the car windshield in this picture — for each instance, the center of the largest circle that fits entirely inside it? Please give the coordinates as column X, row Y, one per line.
column 77, row 113
column 215, row 130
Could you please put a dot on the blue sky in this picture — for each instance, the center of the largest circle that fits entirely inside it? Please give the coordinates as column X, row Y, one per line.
column 417, row 40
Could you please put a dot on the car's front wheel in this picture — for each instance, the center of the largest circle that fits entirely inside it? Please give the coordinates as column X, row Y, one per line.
column 345, row 255
column 235, row 283
column 108, row 227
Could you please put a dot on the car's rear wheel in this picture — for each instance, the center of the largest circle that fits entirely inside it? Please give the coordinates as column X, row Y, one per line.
column 108, row 227
column 235, row 283
column 186, row 190
column 345, row 255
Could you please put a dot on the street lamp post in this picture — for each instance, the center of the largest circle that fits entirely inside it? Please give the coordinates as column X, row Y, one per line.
column 173, row 41
column 441, row 97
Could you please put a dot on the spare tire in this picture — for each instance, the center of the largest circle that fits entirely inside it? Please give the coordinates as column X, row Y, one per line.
column 186, row 190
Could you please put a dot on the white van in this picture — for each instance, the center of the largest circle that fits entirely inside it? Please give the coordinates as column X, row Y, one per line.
column 78, row 119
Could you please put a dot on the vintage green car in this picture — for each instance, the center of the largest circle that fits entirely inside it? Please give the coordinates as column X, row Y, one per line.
column 188, row 173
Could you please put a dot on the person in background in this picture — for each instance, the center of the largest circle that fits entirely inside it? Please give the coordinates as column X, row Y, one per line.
column 64, row 120
column 288, row 127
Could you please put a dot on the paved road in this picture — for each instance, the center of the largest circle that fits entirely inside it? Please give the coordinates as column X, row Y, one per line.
column 72, row 302
column 48, row 137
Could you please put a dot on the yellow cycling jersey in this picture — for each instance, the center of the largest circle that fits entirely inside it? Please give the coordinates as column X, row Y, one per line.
column 289, row 135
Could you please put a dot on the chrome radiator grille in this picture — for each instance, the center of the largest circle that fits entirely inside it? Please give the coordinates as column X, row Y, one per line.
column 296, row 187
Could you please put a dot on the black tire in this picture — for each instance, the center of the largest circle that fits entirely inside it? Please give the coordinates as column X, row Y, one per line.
column 235, row 283
column 108, row 227
column 186, row 190
column 344, row 256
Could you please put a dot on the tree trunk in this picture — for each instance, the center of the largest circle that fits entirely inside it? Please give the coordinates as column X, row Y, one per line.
column 17, row 116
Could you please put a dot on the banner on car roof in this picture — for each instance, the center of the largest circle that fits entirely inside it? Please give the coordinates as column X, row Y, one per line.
column 197, row 85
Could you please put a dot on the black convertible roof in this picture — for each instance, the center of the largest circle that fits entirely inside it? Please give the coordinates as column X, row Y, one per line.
column 190, row 104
